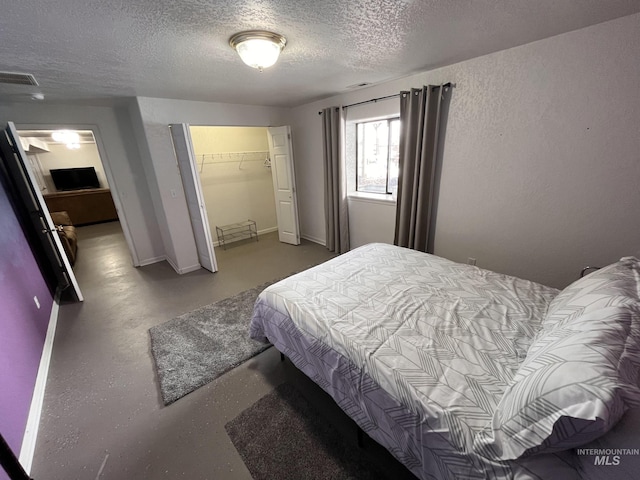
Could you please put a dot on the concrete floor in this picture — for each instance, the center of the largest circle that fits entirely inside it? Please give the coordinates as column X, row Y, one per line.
column 103, row 417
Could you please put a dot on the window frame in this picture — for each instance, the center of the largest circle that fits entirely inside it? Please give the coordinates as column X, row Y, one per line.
column 357, row 124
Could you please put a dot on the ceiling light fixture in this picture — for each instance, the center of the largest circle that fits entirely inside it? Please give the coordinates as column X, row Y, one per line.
column 70, row 138
column 65, row 136
column 258, row 48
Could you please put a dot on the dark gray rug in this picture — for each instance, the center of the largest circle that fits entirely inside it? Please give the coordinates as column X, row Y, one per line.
column 283, row 436
column 197, row 347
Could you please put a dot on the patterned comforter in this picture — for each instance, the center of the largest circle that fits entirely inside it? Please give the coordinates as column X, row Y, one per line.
column 417, row 349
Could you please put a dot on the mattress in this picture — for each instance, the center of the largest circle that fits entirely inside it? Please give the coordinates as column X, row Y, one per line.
column 415, row 348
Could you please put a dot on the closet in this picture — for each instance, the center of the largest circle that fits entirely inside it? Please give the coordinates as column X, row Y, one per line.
column 234, row 167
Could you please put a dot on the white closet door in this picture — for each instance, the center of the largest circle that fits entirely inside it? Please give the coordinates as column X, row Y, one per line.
column 195, row 198
column 284, row 186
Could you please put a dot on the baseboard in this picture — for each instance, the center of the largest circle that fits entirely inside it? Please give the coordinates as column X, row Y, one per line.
column 173, row 265
column 181, row 271
column 150, row 261
column 268, row 230
column 192, row 268
column 33, row 421
column 320, row 241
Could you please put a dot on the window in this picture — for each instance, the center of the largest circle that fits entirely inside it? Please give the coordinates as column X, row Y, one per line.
column 377, row 152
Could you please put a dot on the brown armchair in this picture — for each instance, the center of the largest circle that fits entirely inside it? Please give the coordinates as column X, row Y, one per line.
column 67, row 233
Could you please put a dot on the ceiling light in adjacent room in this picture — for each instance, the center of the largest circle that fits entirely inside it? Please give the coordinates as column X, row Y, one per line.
column 70, row 138
column 258, row 48
column 65, row 136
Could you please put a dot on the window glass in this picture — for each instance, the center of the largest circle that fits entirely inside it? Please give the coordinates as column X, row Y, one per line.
column 377, row 156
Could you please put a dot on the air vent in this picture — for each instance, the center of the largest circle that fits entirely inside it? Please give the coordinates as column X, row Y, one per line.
column 358, row 85
column 18, row 78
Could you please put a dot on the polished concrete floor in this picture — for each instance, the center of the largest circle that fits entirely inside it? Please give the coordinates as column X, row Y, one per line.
column 103, row 417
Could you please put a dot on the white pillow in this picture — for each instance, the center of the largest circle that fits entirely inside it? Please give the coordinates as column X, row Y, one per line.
column 580, row 375
column 615, row 284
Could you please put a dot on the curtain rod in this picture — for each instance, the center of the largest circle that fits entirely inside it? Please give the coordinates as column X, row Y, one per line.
column 374, row 100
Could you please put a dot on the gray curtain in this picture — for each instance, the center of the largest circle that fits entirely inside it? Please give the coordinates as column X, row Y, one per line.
column 335, row 182
column 420, row 120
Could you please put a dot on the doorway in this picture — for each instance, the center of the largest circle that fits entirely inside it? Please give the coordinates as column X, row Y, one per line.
column 74, row 181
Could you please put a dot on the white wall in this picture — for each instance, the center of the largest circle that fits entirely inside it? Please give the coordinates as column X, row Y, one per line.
column 541, row 159
column 113, row 127
column 151, row 117
column 370, row 221
column 235, row 189
column 59, row 156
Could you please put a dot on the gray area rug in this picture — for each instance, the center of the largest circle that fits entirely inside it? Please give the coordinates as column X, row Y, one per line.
column 283, row 437
column 195, row 348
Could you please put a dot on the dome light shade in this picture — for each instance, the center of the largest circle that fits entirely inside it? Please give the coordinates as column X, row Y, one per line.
column 258, row 48
column 65, row 136
column 68, row 137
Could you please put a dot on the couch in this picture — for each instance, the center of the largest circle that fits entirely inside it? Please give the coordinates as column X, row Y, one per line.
column 67, row 233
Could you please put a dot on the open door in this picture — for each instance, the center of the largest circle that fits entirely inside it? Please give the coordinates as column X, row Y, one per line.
column 193, row 191
column 284, row 187
column 23, row 179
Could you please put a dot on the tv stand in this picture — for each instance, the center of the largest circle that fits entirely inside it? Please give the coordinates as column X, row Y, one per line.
column 92, row 205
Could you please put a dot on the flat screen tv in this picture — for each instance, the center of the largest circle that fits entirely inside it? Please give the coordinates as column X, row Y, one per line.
column 75, row 178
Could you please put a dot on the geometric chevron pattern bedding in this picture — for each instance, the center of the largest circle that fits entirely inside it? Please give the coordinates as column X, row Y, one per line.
column 433, row 341
column 581, row 374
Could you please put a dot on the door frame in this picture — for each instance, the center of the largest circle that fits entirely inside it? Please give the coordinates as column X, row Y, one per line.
column 104, row 159
column 30, row 197
column 187, row 166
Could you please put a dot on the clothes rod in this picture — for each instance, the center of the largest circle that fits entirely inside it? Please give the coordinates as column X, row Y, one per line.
column 235, row 157
column 240, row 160
column 228, row 154
column 374, row 100
column 223, row 157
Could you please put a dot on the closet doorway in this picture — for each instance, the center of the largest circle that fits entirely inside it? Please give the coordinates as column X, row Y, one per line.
column 235, row 176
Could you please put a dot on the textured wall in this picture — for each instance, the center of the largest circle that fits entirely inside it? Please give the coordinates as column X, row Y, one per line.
column 541, row 162
column 363, row 213
column 542, row 159
column 23, row 327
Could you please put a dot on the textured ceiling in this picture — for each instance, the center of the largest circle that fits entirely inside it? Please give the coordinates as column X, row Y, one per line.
column 101, row 50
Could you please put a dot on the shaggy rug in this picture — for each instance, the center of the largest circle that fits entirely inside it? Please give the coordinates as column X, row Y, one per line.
column 197, row 347
column 283, row 436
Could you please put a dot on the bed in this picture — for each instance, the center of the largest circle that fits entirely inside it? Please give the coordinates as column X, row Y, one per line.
column 448, row 365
